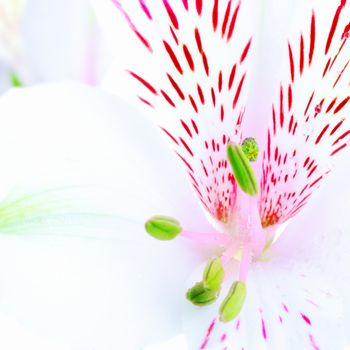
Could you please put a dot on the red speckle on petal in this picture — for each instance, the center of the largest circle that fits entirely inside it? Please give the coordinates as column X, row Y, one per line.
column 146, row 102
column 145, row 9
column 331, row 105
column 312, row 38
column 215, row 15
column 144, row 82
column 198, row 40
column 263, row 329
column 281, row 107
column 199, row 6
column 232, row 76
column 313, row 342
column 291, row 62
column 205, row 63
column 341, row 137
column 227, row 15
column 171, row 136
column 176, row 87
column 301, row 62
column 185, row 3
column 188, row 57
column 200, row 94
column 208, row 335
column 338, row 149
column 188, row 149
column 193, row 103
column 321, row 134
column 132, row 26
column 245, row 51
column 337, row 127
column 233, row 23
column 220, row 81
column 171, row 14
column 334, row 26
column 341, row 105
column 173, row 57
column 238, row 92
column 187, row 129
column 167, row 98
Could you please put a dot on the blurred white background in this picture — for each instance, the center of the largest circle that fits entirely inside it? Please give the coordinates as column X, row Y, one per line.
column 48, row 40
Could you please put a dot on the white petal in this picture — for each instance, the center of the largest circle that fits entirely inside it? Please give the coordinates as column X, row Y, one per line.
column 66, row 135
column 319, row 237
column 188, row 64
column 15, row 337
column 93, row 292
column 103, row 294
column 177, row 343
column 284, row 309
column 309, row 119
column 311, row 256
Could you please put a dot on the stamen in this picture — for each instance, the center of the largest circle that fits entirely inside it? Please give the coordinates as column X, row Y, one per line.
column 207, row 291
column 200, row 295
column 163, row 228
column 166, row 228
column 242, row 170
column 233, row 303
column 213, row 275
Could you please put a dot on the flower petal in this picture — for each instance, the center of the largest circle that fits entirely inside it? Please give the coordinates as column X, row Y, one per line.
column 187, row 63
column 284, row 309
column 177, row 343
column 91, row 292
column 309, row 259
column 67, row 136
column 309, row 125
column 324, row 233
column 70, row 136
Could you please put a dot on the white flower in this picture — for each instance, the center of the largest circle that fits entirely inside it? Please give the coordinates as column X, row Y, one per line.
column 188, row 63
column 208, row 74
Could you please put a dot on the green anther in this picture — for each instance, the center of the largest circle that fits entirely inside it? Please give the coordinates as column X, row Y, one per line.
column 242, row 170
column 200, row 295
column 250, row 148
column 163, row 228
column 213, row 275
column 15, row 81
column 233, row 303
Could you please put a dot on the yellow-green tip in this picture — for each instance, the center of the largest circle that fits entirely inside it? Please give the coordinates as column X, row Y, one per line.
column 250, row 148
column 15, row 80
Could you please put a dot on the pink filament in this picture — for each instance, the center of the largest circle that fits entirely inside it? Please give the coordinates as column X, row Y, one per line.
column 207, row 238
column 245, row 263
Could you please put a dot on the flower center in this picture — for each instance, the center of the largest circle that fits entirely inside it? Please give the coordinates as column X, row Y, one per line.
column 244, row 237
